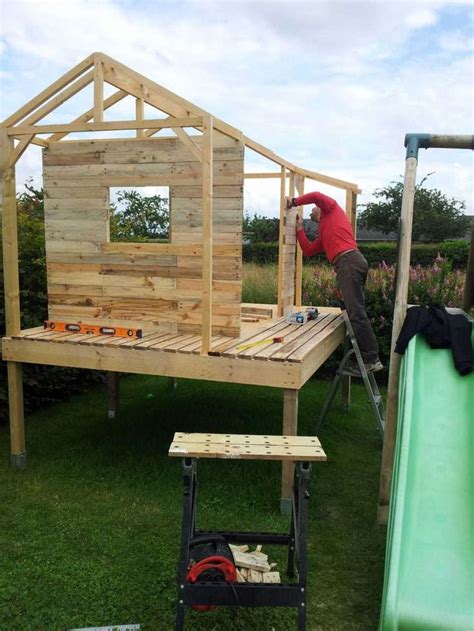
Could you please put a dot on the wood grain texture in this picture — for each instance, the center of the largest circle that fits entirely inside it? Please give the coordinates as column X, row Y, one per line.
column 152, row 283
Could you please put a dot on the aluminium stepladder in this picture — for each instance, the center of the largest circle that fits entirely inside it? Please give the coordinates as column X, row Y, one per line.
column 375, row 398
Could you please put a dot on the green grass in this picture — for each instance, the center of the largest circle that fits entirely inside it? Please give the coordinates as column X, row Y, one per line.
column 89, row 532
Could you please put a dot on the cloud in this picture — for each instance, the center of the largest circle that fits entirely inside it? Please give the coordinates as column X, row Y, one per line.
column 331, row 86
column 420, row 18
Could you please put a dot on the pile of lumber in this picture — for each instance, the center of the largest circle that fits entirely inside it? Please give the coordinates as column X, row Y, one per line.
column 253, row 566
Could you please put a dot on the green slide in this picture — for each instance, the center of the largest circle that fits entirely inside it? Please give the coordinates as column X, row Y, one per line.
column 429, row 567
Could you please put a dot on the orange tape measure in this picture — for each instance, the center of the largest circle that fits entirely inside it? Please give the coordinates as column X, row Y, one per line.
column 91, row 329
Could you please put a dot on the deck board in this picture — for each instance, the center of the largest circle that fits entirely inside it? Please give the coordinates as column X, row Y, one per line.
column 305, row 347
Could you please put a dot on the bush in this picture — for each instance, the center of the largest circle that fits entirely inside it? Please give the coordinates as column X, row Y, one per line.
column 439, row 283
column 421, row 253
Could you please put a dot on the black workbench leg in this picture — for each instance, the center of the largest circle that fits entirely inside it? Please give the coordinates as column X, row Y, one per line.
column 304, row 469
column 290, row 570
column 180, row 616
column 302, row 614
column 187, row 531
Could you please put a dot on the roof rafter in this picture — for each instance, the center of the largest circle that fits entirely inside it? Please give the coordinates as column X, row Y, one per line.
column 129, row 82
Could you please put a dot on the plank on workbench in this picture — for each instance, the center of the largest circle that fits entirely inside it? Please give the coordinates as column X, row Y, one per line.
column 246, row 439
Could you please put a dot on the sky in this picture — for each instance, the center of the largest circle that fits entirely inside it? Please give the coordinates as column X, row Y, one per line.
column 330, row 86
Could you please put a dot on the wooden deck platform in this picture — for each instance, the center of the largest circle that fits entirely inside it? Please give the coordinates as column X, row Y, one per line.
column 288, row 364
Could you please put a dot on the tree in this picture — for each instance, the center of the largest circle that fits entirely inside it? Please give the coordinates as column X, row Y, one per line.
column 261, row 229
column 139, row 218
column 435, row 217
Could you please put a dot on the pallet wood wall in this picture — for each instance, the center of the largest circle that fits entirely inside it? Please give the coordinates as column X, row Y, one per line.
column 155, row 287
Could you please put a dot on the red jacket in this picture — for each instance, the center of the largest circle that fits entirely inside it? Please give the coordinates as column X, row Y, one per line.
column 335, row 230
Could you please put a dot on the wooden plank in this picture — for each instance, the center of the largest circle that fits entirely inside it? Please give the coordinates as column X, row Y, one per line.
column 290, row 428
column 140, row 115
column 308, row 334
column 9, row 236
column 262, row 440
column 61, row 98
column 17, row 415
column 113, row 394
column 121, row 76
column 50, row 91
column 19, row 150
column 207, row 249
column 401, row 298
column 188, row 142
column 299, row 252
column 295, row 335
column 86, row 116
column 169, row 249
column 193, row 192
column 271, row 331
column 315, row 355
column 181, row 365
column 247, row 451
column 324, row 328
column 326, row 179
column 163, row 147
column 281, row 260
column 69, row 128
column 34, row 141
column 261, row 176
column 68, row 193
column 32, row 331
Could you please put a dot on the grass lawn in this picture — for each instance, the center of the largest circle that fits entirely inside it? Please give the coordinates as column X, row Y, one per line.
column 89, row 532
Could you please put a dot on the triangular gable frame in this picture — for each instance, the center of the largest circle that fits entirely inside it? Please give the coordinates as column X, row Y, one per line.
column 98, row 69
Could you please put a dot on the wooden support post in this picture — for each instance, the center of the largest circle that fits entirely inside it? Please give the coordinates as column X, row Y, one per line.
column 113, row 394
column 140, row 115
column 299, row 251
column 290, row 428
column 351, row 205
column 468, row 298
column 281, row 241
column 207, row 181
column 401, row 297
column 12, row 297
column 351, row 209
column 291, row 194
column 98, row 89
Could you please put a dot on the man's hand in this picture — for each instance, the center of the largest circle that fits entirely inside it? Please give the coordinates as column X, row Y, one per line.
column 289, row 203
column 299, row 223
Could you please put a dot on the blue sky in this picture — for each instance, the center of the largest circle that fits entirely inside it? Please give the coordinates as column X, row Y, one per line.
column 331, row 86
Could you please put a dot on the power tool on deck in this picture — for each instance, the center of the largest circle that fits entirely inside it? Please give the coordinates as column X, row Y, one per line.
column 301, row 317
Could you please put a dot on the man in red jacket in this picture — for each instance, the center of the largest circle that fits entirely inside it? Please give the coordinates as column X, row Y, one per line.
column 336, row 239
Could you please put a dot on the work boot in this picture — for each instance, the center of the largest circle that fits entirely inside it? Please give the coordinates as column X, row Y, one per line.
column 353, row 368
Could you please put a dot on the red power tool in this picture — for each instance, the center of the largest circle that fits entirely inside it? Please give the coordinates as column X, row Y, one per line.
column 210, row 561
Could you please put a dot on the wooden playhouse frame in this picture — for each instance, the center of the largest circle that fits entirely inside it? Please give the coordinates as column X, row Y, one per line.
column 210, row 347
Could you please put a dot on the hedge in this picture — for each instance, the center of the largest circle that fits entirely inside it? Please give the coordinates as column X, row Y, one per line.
column 421, row 254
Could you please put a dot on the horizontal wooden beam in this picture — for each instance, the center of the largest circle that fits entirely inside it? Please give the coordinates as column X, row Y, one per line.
column 261, row 176
column 69, row 128
column 208, row 368
column 87, row 116
column 327, row 179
